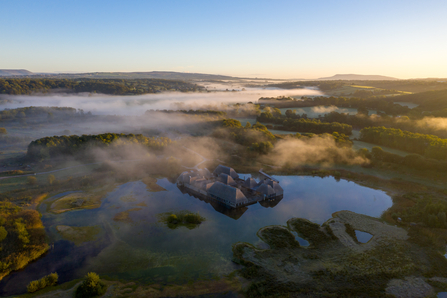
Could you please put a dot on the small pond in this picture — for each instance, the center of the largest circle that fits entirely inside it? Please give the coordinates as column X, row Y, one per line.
column 143, row 249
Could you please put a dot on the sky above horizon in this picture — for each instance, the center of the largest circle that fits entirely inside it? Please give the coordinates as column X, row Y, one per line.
column 274, row 39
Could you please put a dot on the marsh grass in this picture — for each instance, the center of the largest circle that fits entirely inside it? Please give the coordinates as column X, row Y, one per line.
column 183, row 218
column 79, row 235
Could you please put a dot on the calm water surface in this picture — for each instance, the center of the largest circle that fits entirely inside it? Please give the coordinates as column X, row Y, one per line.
column 147, row 251
column 363, row 237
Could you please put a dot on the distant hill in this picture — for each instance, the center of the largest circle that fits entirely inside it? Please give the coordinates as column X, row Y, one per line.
column 14, row 72
column 166, row 75
column 353, row 77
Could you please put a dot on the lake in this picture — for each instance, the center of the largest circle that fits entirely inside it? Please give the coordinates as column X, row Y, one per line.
column 143, row 249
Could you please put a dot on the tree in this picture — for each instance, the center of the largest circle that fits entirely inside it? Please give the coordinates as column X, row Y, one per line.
column 21, row 231
column 3, row 233
column 91, row 286
column 31, row 180
column 3, row 131
column 51, row 179
column 248, row 125
column 362, row 111
column 377, row 152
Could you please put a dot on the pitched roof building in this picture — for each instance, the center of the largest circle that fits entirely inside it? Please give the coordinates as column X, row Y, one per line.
column 226, row 179
column 227, row 194
column 225, row 187
column 226, row 170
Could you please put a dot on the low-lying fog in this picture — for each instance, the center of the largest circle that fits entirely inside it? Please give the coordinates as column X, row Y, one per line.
column 101, row 104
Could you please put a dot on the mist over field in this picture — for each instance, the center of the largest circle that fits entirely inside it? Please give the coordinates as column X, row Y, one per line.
column 100, row 104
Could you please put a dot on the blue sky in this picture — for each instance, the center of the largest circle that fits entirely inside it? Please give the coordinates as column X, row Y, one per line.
column 278, row 39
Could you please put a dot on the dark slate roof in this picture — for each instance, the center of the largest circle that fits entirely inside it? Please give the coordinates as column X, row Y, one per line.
column 265, row 189
column 276, row 187
column 226, row 179
column 226, row 170
column 250, row 183
column 227, row 193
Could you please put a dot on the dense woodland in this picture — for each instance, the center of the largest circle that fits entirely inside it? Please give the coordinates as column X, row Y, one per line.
column 360, row 121
column 380, row 104
column 277, row 98
column 401, row 85
column 41, row 113
column 429, row 146
column 293, row 122
column 105, row 86
column 413, row 161
column 434, row 101
column 258, row 139
column 322, row 85
column 51, row 147
column 255, row 137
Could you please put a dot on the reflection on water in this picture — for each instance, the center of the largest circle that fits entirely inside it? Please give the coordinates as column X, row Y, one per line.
column 363, row 237
column 147, row 251
column 301, row 241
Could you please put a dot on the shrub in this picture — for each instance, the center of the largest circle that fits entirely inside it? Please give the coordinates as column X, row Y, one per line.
column 91, row 286
column 31, row 180
column 36, row 285
column 52, row 279
column 172, row 218
column 51, row 179
column 42, row 283
column 33, row 286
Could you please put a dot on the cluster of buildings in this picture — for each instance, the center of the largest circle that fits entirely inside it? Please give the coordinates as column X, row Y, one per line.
column 224, row 187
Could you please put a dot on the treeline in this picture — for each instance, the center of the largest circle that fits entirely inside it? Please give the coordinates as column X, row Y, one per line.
column 189, row 112
column 401, row 85
column 50, row 113
column 404, row 122
column 236, row 110
column 429, row 146
column 380, row 104
column 414, row 161
column 428, row 101
column 277, row 98
column 427, row 210
column 105, row 86
column 257, row 138
column 367, row 92
column 50, row 147
column 314, row 126
column 293, row 122
column 322, row 85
